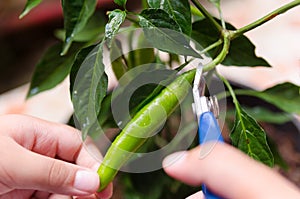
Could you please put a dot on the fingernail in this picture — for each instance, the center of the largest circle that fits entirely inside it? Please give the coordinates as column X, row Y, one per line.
column 86, row 181
column 174, row 159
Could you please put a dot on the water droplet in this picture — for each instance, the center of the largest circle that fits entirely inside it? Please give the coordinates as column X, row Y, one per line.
column 34, row 91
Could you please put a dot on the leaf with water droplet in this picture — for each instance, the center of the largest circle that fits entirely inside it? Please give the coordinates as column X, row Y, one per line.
column 116, row 18
column 76, row 16
column 52, row 69
column 164, row 33
column 179, row 10
column 89, row 86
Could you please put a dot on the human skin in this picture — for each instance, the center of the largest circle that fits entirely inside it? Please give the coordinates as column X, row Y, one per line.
column 229, row 173
column 41, row 159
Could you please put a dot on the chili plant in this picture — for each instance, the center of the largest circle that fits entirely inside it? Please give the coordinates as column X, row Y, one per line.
column 169, row 26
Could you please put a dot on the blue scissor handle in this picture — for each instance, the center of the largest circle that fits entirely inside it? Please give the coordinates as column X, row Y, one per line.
column 209, row 130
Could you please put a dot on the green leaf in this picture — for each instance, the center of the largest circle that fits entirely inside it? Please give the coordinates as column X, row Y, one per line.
column 93, row 30
column 89, row 89
column 154, row 3
column 249, row 137
column 116, row 18
column 29, row 6
column 278, row 159
column 241, row 52
column 157, row 18
column 263, row 114
column 285, row 96
column 164, row 33
column 117, row 58
column 79, row 59
column 105, row 117
column 121, row 2
column 76, row 15
column 51, row 69
column 179, row 10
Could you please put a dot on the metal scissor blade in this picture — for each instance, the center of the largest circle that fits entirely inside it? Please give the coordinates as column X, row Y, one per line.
column 201, row 103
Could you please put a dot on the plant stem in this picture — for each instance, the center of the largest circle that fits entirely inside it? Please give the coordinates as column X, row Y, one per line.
column 264, row 19
column 235, row 101
column 131, row 17
column 212, row 46
column 231, row 92
column 226, row 44
column 237, row 92
column 221, row 17
column 207, row 14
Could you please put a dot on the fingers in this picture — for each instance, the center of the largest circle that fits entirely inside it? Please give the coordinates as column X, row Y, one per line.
column 228, row 173
column 23, row 169
column 40, row 194
column 53, row 140
column 43, row 137
column 17, row 194
column 90, row 157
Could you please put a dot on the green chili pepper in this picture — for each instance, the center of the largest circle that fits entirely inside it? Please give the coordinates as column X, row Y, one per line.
column 144, row 123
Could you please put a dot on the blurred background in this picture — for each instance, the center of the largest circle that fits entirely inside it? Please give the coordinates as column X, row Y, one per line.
column 23, row 42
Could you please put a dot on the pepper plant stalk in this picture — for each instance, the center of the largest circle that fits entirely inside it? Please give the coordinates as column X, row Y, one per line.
column 265, row 19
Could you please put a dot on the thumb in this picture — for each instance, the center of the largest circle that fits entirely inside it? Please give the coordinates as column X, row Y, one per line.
column 24, row 169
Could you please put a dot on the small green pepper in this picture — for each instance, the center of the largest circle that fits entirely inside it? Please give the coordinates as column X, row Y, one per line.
column 146, row 122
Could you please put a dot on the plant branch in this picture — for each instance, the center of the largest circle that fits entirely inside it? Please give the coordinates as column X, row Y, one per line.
column 221, row 17
column 235, row 101
column 237, row 92
column 132, row 17
column 226, row 44
column 207, row 15
column 264, row 19
column 212, row 46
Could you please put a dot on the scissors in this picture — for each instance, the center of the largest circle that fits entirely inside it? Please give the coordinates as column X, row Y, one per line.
column 206, row 110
